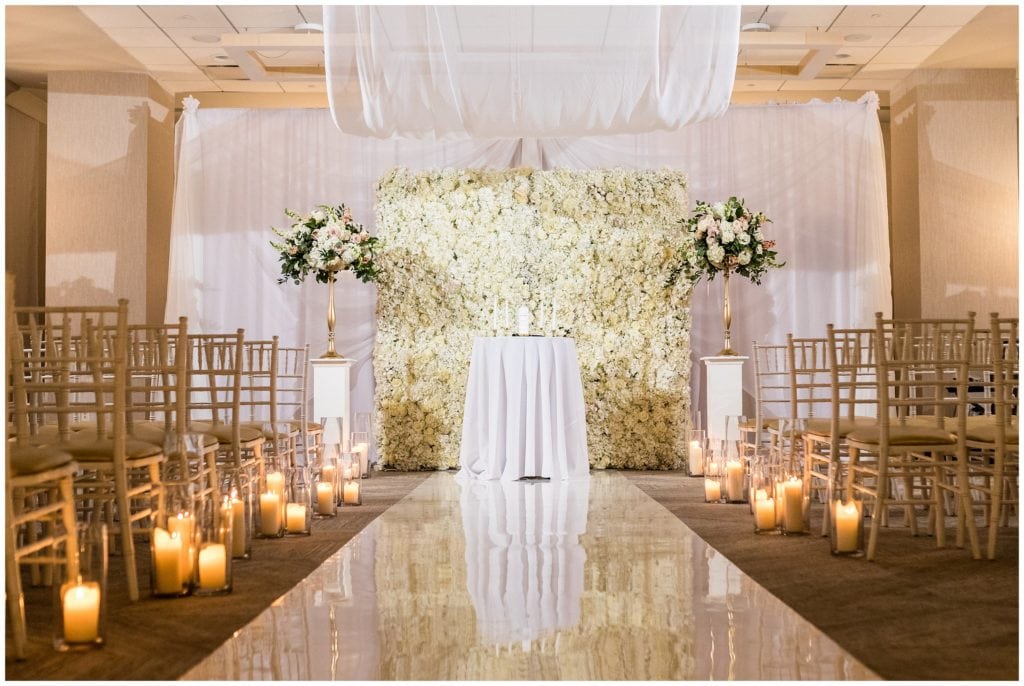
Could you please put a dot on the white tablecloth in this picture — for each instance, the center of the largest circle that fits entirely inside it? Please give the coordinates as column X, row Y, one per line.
column 524, row 411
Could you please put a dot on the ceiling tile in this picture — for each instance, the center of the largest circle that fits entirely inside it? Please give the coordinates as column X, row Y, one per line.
column 208, row 56
column 751, row 13
column 220, row 73
column 197, row 86
column 838, row 71
column 865, row 36
column 232, row 86
column 262, row 16
column 870, row 84
column 886, row 71
column 186, row 37
column 761, row 56
column 924, row 35
column 159, row 55
column 904, row 55
column 175, row 72
column 876, row 15
column 813, row 85
column 755, row 85
column 851, row 55
column 946, row 15
column 303, row 87
column 140, row 37
column 312, row 13
column 169, row 16
column 783, row 16
column 116, row 16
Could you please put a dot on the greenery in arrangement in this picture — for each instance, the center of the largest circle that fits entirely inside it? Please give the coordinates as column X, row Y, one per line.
column 324, row 241
column 724, row 236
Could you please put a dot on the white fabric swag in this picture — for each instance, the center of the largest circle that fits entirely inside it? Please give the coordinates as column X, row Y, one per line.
column 817, row 170
column 445, row 72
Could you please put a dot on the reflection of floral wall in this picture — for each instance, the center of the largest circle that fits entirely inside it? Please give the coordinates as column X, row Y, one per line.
column 597, row 242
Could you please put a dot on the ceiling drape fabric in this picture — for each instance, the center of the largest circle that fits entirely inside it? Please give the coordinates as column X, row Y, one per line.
column 449, row 72
column 817, row 170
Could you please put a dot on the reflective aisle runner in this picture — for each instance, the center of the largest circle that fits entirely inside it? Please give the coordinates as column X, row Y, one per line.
column 580, row 580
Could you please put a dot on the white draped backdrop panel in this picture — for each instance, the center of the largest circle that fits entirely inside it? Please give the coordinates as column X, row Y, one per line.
column 817, row 170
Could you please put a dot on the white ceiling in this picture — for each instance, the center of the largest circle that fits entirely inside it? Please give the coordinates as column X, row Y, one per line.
column 182, row 47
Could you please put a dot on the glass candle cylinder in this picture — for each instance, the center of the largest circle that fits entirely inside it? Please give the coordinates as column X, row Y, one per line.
column 325, row 487
column 364, row 424
column 361, row 452
column 734, row 476
column 698, row 444
column 172, row 544
column 846, row 531
column 80, row 602
column 214, row 547
column 794, row 503
column 239, row 491
column 714, row 469
column 762, row 494
column 352, row 487
column 299, row 508
column 270, row 508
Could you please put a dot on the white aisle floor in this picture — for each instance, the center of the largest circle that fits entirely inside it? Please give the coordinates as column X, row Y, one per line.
column 579, row 580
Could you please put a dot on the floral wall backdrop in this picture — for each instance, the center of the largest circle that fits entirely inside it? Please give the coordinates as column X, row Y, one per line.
column 598, row 244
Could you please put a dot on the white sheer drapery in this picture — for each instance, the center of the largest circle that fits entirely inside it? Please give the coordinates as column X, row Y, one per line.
column 444, row 72
column 816, row 170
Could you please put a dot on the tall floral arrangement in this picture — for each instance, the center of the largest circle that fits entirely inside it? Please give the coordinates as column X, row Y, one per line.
column 724, row 236
column 324, row 241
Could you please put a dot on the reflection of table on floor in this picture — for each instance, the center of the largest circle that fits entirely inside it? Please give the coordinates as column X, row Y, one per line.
column 524, row 411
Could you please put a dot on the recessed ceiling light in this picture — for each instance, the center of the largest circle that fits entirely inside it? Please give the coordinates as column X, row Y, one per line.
column 876, row 15
column 206, row 38
column 842, row 55
column 751, row 85
column 756, row 27
column 857, row 37
column 310, row 27
column 222, row 57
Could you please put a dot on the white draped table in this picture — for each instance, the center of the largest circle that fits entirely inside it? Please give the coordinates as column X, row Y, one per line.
column 524, row 412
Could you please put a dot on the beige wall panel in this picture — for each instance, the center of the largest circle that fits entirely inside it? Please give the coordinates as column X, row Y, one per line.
column 160, row 165
column 905, row 244
column 25, row 205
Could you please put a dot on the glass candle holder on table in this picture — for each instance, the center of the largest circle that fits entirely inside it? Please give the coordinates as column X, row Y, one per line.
column 80, row 602
column 173, row 541
column 215, row 525
column 298, row 512
column 697, row 446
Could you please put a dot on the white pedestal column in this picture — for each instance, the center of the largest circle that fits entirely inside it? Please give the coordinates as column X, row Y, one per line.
column 724, row 394
column 331, row 397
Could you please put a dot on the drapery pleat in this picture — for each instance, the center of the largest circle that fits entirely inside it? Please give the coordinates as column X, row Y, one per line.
column 817, row 170
column 450, row 72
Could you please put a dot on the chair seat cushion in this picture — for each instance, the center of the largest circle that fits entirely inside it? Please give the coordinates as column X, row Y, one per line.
column 247, row 434
column 902, row 436
column 269, row 435
column 822, row 427
column 983, row 430
column 766, row 423
column 153, row 433
column 26, row 461
column 90, row 449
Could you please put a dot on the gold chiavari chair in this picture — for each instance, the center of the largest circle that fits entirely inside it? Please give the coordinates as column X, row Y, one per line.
column 215, row 394
column 39, row 505
column 771, row 384
column 292, row 401
column 73, row 369
column 260, row 400
column 917, row 363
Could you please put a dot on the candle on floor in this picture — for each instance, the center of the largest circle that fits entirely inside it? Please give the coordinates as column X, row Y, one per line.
column 696, row 458
column 351, row 494
column 847, row 519
column 270, row 514
column 81, row 607
column 213, row 573
column 793, row 496
column 275, row 484
column 295, row 520
column 184, row 526
column 712, row 490
column 238, row 532
column 764, row 510
column 780, row 511
column 167, row 551
column 324, row 497
column 328, row 473
column 734, row 479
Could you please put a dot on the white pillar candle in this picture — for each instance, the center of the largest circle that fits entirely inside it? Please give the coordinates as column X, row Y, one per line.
column 81, row 607
column 213, row 570
column 734, row 479
column 523, row 320
column 793, row 503
column 364, row 460
column 167, row 550
column 351, row 495
column 847, row 519
column 295, row 520
column 696, row 458
column 270, row 514
column 324, row 497
column 764, row 510
column 238, row 532
column 712, row 490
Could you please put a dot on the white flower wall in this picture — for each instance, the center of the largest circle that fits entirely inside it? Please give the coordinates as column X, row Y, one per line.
column 598, row 243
